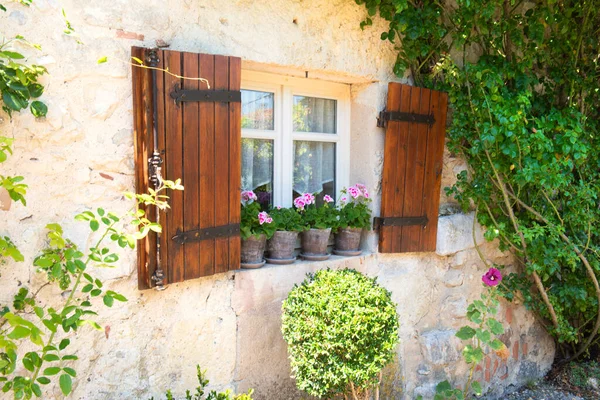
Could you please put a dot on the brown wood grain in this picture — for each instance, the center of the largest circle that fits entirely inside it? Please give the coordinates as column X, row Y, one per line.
column 235, row 160
column 140, row 143
column 191, row 172
column 162, row 146
column 207, row 167
column 222, row 166
column 389, row 168
column 402, row 152
column 174, row 147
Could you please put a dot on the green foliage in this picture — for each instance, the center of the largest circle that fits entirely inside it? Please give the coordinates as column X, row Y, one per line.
column 200, row 393
column 8, row 249
column 579, row 374
column 341, row 328
column 354, row 212
column 16, row 190
column 250, row 224
column 29, row 325
column 287, row 219
column 524, row 84
column 318, row 217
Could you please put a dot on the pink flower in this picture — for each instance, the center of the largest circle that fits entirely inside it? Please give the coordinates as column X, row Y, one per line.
column 365, row 193
column 361, row 187
column 354, row 192
column 299, row 203
column 492, row 278
column 344, row 200
column 308, row 198
column 279, row 207
column 248, row 196
column 263, row 217
column 327, row 198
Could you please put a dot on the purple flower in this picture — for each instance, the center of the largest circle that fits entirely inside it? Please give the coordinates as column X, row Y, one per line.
column 327, row 198
column 492, row 278
column 299, row 203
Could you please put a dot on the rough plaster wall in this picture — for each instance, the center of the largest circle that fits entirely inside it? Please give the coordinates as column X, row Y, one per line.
column 81, row 156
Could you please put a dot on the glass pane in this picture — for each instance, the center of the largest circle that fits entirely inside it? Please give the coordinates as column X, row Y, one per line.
column 257, row 169
column 314, row 169
column 257, row 110
column 312, row 114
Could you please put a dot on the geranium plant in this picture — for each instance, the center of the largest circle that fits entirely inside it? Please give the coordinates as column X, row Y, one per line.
column 354, row 210
column 254, row 222
column 313, row 216
column 287, row 219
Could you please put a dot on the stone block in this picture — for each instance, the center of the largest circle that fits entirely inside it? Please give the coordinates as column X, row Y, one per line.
column 439, row 346
column 455, row 233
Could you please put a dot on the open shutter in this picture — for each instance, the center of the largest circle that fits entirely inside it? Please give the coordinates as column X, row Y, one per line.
column 199, row 139
column 415, row 122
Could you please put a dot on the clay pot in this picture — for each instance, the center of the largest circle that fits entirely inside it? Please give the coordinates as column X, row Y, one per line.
column 281, row 246
column 253, row 249
column 348, row 239
column 314, row 242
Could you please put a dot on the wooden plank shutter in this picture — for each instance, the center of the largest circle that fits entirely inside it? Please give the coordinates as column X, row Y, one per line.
column 415, row 122
column 199, row 138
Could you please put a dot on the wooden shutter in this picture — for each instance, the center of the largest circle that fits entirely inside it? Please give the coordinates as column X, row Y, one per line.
column 199, row 138
column 415, row 121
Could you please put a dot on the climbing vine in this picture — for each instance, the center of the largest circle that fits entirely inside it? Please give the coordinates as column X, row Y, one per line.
column 523, row 79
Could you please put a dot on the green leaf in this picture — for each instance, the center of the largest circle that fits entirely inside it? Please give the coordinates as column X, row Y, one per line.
column 12, row 54
column 484, row 335
column 35, row 388
column 472, row 355
column 476, row 386
column 443, row 386
column 38, row 109
column 495, row 326
column 63, row 344
column 70, row 371
column 51, row 357
column 102, row 60
column 51, row 371
column 108, row 300
column 94, row 225
column 65, row 384
column 35, row 90
column 19, row 332
column 465, row 333
column 43, row 380
column 496, row 344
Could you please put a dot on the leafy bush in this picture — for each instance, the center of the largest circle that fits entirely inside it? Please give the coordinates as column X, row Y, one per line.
column 287, row 219
column 341, row 328
column 354, row 211
column 212, row 395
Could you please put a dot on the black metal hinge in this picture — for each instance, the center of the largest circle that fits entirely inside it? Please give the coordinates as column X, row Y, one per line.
column 385, row 116
column 400, row 221
column 216, row 232
column 224, row 96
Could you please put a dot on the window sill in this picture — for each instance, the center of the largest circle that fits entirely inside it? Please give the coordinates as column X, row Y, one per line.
column 332, row 262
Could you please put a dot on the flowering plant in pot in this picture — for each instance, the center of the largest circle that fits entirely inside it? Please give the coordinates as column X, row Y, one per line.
column 318, row 221
column 288, row 223
column 354, row 216
column 255, row 228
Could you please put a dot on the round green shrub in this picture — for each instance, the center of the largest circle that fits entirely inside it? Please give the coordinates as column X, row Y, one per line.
column 341, row 327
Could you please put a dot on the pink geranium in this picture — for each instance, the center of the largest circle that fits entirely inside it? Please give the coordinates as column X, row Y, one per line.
column 309, row 198
column 263, row 218
column 248, row 196
column 354, row 192
column 299, row 203
column 327, row 198
column 343, row 200
column 365, row 193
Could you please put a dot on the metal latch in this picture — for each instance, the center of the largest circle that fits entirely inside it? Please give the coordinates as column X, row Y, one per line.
column 215, row 232
column 399, row 221
column 385, row 116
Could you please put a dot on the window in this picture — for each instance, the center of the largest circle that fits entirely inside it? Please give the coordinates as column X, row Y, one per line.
column 295, row 137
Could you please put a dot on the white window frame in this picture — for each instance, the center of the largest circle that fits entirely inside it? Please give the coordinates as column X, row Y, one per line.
column 283, row 136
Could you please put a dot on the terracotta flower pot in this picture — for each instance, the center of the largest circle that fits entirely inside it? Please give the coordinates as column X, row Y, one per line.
column 253, row 250
column 314, row 244
column 347, row 241
column 281, row 247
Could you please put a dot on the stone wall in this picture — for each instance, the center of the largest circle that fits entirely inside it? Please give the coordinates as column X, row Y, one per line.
column 81, row 156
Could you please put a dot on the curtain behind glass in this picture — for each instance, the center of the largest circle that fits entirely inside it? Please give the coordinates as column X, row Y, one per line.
column 314, row 167
column 257, row 168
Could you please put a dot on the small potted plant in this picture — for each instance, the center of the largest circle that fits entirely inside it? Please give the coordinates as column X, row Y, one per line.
column 255, row 228
column 318, row 221
column 354, row 216
column 288, row 223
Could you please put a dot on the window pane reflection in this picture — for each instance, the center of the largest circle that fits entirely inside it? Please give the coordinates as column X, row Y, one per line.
column 257, row 169
column 257, row 110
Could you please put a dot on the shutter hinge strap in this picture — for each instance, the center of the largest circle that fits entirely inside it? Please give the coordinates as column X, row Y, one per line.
column 400, row 221
column 213, row 96
column 386, row 116
column 215, row 232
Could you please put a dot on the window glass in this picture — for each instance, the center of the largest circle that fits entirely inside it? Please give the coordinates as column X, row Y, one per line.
column 314, row 169
column 312, row 114
column 257, row 110
column 257, row 169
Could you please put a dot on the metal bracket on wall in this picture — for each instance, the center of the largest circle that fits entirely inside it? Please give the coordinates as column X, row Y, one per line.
column 224, row 96
column 400, row 221
column 386, row 116
column 197, row 235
